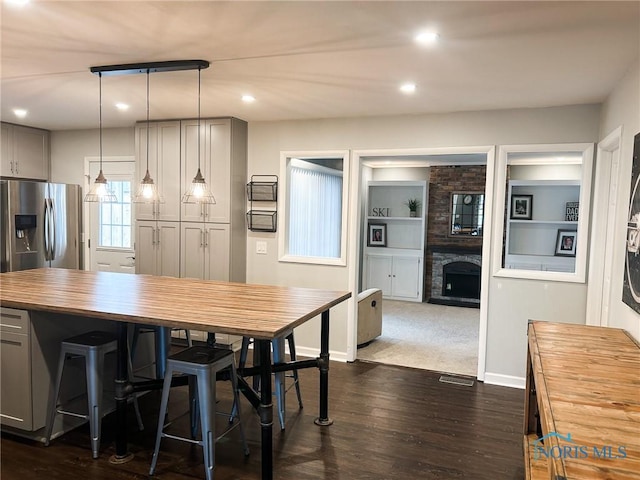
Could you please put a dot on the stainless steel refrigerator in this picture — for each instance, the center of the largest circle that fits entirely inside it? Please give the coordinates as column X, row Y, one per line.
column 40, row 225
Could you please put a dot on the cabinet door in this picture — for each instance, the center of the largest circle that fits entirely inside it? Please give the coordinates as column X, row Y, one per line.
column 15, row 389
column 217, row 247
column 406, row 277
column 6, row 152
column 192, row 258
column 168, row 243
column 218, row 169
column 193, row 212
column 146, row 211
column 31, row 154
column 146, row 247
column 379, row 273
column 168, row 177
column 164, row 168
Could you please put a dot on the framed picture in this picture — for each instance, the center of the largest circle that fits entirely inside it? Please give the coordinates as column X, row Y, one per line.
column 377, row 235
column 566, row 243
column 521, row 207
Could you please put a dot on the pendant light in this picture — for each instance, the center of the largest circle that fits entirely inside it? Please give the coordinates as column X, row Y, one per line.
column 148, row 190
column 198, row 191
column 99, row 191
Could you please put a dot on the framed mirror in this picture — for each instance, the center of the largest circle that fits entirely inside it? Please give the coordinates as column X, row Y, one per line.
column 467, row 214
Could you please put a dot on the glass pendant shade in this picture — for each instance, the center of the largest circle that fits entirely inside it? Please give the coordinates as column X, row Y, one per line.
column 100, row 192
column 148, row 191
column 198, row 191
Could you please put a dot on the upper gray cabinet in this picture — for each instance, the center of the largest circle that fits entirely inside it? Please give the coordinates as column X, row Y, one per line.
column 222, row 159
column 162, row 148
column 25, row 152
column 542, row 207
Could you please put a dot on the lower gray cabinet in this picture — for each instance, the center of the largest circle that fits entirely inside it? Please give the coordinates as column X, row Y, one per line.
column 22, row 398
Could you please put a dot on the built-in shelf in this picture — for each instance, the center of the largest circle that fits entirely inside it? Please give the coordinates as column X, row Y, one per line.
column 395, row 263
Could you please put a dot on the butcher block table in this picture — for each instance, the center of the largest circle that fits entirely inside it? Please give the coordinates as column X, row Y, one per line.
column 582, row 407
column 260, row 311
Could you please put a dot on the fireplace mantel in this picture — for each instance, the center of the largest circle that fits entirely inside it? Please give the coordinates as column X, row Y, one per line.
column 458, row 249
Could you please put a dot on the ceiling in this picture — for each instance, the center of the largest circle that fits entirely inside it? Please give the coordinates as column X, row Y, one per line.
column 304, row 60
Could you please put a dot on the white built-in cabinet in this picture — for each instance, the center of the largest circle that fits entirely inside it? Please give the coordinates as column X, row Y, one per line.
column 194, row 240
column 398, row 276
column 397, row 268
column 24, row 152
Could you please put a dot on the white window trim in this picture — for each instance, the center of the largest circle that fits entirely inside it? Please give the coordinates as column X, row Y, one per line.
column 283, row 207
column 579, row 275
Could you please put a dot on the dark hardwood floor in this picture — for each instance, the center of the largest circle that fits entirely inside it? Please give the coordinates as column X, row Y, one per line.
column 389, row 423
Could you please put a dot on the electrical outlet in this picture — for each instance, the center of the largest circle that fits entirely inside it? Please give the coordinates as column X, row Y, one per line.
column 261, row 247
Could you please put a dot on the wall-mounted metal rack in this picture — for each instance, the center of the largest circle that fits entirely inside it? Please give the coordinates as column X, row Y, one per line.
column 262, row 188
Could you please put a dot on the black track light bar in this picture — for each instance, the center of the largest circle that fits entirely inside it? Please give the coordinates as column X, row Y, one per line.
column 151, row 67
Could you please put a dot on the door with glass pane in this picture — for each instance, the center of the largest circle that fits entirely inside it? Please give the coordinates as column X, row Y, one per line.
column 112, row 235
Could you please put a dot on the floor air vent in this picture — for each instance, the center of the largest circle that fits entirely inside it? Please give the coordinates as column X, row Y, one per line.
column 465, row 382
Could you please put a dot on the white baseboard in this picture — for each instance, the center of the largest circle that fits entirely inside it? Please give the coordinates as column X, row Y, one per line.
column 313, row 353
column 504, row 380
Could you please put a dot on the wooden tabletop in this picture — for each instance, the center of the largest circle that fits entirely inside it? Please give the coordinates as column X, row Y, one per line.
column 588, row 385
column 260, row 311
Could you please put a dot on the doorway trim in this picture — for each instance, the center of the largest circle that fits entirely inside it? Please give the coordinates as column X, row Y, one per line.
column 605, row 196
column 355, row 233
column 86, row 184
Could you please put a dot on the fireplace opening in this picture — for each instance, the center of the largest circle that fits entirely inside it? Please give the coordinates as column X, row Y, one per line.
column 461, row 280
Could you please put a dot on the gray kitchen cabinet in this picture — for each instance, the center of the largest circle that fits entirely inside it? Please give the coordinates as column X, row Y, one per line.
column 25, row 152
column 158, row 248
column 223, row 163
column 164, row 168
column 22, row 397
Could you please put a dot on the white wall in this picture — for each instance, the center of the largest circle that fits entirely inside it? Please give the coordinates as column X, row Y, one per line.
column 508, row 315
column 508, row 311
column 623, row 108
column 70, row 147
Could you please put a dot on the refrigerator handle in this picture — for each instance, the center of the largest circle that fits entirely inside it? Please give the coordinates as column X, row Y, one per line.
column 46, row 229
column 52, row 224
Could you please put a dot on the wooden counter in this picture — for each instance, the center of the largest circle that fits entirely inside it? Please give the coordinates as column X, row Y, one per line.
column 259, row 311
column 264, row 312
column 583, row 387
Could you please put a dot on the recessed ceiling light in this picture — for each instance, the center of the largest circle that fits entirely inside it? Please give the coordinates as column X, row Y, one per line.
column 248, row 98
column 408, row 88
column 426, row 38
column 20, row 112
column 122, row 106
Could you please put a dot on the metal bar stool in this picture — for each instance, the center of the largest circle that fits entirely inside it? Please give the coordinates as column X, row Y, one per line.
column 93, row 347
column 203, row 363
column 162, row 340
column 281, row 388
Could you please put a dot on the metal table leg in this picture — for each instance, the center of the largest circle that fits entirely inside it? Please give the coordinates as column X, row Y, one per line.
column 122, row 385
column 265, row 409
column 323, row 365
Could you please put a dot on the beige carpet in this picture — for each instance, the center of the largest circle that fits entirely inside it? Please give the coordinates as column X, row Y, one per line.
column 431, row 337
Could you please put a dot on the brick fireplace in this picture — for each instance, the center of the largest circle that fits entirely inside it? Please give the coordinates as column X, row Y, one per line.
column 443, row 248
column 455, row 277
